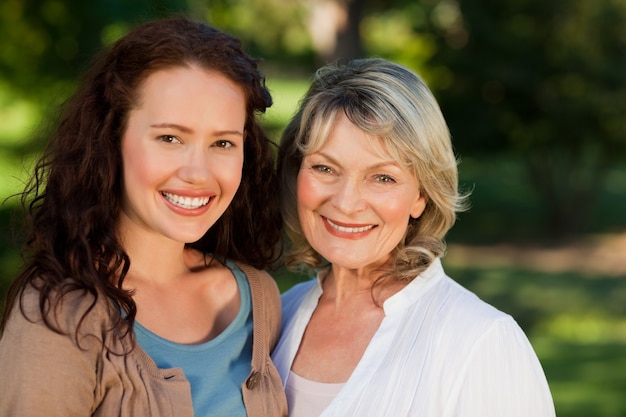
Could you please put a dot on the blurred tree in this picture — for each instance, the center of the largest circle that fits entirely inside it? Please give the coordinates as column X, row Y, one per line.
column 334, row 28
column 274, row 30
column 309, row 33
column 545, row 80
column 47, row 42
column 342, row 30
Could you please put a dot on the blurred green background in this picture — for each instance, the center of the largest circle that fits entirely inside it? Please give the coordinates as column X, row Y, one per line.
column 535, row 96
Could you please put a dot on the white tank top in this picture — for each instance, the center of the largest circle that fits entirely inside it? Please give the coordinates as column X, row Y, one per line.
column 308, row 398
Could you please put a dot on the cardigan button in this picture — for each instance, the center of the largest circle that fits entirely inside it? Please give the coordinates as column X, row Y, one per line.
column 253, row 380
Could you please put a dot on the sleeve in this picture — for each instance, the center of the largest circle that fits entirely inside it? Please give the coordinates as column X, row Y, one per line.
column 44, row 373
column 503, row 377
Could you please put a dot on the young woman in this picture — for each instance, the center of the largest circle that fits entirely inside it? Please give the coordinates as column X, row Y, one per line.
column 153, row 211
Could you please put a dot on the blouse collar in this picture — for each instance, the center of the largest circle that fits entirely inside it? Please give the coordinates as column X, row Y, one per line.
column 405, row 297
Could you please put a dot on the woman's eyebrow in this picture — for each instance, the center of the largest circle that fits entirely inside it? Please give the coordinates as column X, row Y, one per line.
column 185, row 129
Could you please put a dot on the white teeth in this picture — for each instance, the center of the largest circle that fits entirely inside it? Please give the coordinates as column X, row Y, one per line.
column 350, row 229
column 186, row 202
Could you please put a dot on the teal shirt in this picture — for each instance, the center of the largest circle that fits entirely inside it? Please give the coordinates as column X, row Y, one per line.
column 215, row 369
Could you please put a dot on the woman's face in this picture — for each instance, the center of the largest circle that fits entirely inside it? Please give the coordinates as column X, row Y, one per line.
column 182, row 153
column 354, row 203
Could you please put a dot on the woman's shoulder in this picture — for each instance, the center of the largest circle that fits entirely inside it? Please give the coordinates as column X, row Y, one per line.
column 461, row 314
column 256, row 276
column 66, row 308
column 263, row 288
column 294, row 296
column 468, row 302
column 299, row 289
column 435, row 291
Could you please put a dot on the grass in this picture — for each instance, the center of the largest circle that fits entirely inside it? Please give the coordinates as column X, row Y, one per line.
column 576, row 321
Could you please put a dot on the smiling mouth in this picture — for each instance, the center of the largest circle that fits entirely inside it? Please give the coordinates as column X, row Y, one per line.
column 186, row 202
column 349, row 229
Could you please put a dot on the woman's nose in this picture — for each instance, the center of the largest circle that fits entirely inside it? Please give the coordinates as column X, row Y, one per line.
column 195, row 166
column 348, row 196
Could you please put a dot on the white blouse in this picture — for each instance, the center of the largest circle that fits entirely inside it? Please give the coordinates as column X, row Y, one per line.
column 439, row 352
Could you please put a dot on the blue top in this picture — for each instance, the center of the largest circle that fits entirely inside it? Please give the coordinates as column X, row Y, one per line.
column 215, row 369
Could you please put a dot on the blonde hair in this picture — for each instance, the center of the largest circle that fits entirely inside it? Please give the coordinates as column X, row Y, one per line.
column 390, row 102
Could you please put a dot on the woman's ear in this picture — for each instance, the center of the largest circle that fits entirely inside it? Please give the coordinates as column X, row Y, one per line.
column 419, row 205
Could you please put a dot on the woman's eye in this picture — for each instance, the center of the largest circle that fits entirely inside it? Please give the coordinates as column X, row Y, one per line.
column 323, row 169
column 383, row 178
column 224, row 144
column 169, row 139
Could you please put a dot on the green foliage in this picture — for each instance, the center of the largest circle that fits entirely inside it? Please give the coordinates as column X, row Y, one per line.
column 391, row 34
column 544, row 80
column 506, row 208
column 286, row 93
column 271, row 29
column 47, row 42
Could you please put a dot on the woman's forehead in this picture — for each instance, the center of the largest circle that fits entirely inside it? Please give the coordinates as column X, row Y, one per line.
column 383, row 144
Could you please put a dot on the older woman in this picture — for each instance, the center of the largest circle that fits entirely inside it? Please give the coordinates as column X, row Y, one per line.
column 369, row 190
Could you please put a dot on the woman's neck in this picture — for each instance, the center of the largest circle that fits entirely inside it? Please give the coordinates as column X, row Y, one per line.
column 342, row 284
column 154, row 257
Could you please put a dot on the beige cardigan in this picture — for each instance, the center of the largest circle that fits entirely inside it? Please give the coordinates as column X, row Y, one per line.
column 43, row 373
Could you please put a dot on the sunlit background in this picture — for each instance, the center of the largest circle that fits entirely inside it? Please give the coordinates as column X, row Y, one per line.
column 534, row 92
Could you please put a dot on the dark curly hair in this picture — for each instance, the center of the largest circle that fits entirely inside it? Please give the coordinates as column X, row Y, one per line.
column 73, row 199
